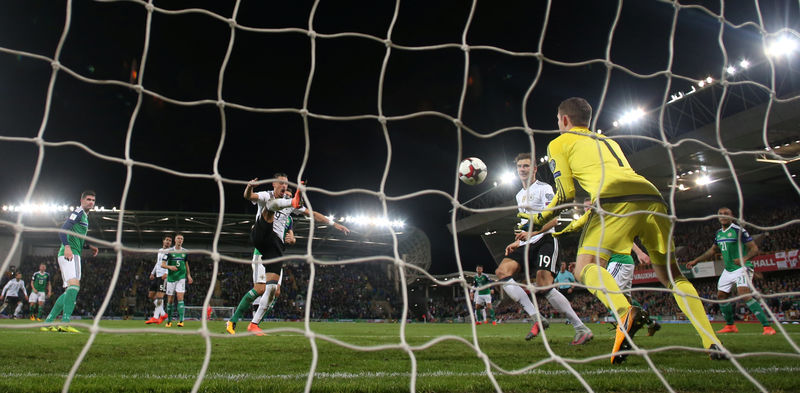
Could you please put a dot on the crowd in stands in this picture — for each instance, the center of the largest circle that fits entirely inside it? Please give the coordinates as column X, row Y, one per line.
column 693, row 238
column 340, row 291
column 365, row 291
column 359, row 291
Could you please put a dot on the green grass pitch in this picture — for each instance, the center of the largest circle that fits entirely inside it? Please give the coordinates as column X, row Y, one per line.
column 158, row 361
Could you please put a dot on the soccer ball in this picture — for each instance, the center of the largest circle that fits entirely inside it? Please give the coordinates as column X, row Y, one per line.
column 472, row 171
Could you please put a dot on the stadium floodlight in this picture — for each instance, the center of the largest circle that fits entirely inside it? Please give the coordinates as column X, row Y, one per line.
column 703, row 180
column 731, row 70
column 373, row 221
column 507, row 178
column 782, row 46
column 744, row 64
column 630, row 116
column 35, row 208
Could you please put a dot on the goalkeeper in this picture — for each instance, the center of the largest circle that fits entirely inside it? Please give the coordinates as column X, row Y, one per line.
column 599, row 166
column 621, row 266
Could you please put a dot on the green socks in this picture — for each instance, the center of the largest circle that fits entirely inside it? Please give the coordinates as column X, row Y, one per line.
column 170, row 308
column 65, row 302
column 69, row 302
column 244, row 304
column 57, row 307
column 180, row 311
column 727, row 312
column 491, row 314
column 756, row 309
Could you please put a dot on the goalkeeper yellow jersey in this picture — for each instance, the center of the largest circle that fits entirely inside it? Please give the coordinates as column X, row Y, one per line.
column 598, row 165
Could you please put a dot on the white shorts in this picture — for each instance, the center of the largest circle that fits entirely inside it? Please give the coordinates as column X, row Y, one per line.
column 37, row 297
column 70, row 269
column 176, row 286
column 483, row 300
column 622, row 273
column 737, row 277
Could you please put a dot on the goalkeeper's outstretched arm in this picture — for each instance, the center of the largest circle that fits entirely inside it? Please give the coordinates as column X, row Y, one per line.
column 575, row 225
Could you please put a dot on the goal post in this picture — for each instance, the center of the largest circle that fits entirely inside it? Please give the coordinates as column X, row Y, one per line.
column 216, row 314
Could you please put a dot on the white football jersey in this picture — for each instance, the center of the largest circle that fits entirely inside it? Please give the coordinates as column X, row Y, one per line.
column 281, row 216
column 159, row 271
column 14, row 287
column 534, row 200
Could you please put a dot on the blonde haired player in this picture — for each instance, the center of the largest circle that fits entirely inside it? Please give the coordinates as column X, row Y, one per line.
column 540, row 251
column 268, row 235
column 599, row 166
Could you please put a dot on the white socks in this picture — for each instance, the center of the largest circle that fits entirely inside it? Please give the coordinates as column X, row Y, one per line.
column 515, row 292
column 18, row 310
column 264, row 303
column 159, row 311
column 560, row 303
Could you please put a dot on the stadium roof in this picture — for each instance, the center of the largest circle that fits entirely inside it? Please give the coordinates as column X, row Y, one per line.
column 761, row 177
column 145, row 229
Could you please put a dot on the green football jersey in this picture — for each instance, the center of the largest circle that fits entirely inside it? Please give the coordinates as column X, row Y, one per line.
column 178, row 259
column 481, row 280
column 40, row 281
column 624, row 259
column 730, row 243
column 77, row 222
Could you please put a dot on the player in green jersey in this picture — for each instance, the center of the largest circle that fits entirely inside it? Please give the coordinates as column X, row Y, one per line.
column 483, row 297
column 178, row 276
column 69, row 261
column 40, row 282
column 731, row 240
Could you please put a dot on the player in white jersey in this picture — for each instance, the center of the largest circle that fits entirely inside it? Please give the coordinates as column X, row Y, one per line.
column 268, row 237
column 541, row 250
column 11, row 293
column 158, row 283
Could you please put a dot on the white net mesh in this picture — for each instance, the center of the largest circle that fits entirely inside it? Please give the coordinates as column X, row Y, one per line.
column 604, row 63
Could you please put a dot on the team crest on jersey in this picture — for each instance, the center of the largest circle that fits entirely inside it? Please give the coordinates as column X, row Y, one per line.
column 552, row 165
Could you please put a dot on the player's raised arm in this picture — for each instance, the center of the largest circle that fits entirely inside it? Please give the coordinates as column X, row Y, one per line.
column 704, row 256
column 248, row 191
column 575, row 225
column 319, row 217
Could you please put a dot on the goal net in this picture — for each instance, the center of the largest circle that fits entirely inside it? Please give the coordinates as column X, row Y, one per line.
column 166, row 107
